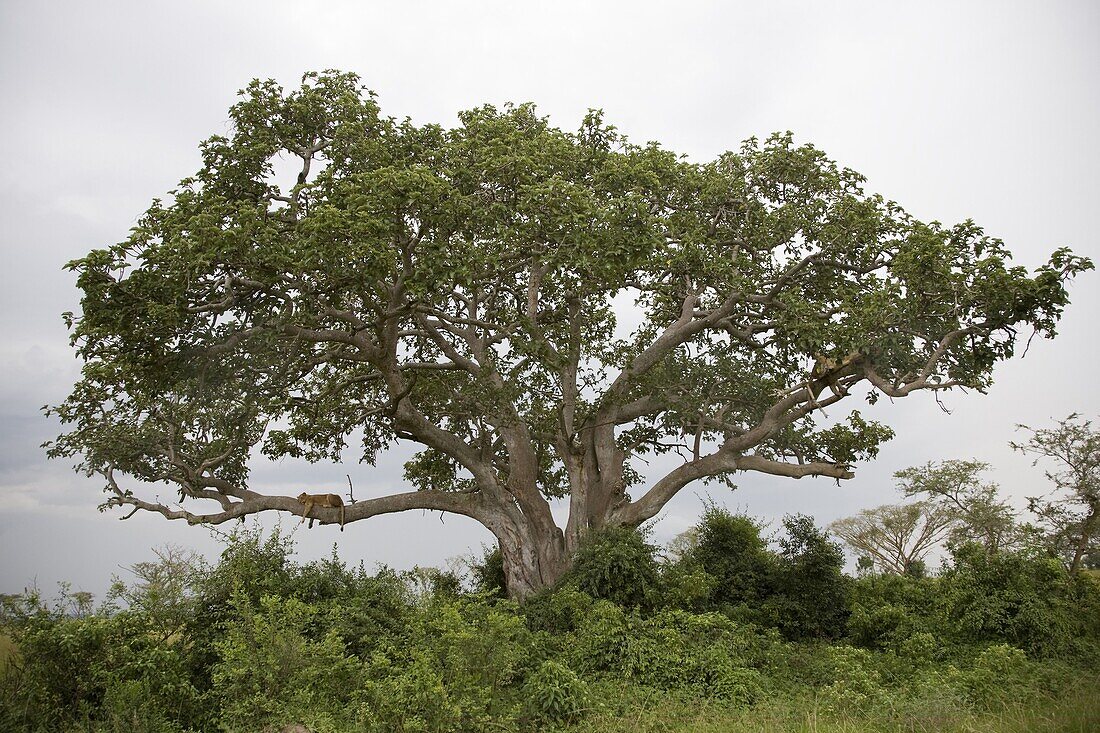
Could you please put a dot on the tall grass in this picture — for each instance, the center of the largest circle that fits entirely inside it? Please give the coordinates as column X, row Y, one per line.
column 635, row 710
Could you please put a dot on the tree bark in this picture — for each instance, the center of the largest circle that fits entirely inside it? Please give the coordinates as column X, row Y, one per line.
column 533, row 561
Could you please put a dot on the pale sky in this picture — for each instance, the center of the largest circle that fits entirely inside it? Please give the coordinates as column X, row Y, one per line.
column 955, row 110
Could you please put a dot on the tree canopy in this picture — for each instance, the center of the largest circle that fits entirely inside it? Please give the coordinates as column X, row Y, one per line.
column 1071, row 515
column 463, row 289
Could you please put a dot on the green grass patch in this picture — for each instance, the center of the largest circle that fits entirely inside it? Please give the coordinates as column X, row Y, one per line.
column 636, row 710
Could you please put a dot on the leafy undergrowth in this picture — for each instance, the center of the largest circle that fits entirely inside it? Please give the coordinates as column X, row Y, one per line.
column 259, row 642
column 7, row 651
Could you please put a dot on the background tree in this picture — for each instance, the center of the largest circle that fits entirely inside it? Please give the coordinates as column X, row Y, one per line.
column 1071, row 515
column 454, row 289
column 956, row 486
column 896, row 536
column 165, row 589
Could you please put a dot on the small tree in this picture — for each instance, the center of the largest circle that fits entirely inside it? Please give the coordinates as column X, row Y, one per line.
column 810, row 589
column 456, row 289
column 981, row 516
column 895, row 536
column 1071, row 515
column 729, row 548
column 166, row 588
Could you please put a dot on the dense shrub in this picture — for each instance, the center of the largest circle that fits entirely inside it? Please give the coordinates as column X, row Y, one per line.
column 887, row 610
column 488, row 574
column 708, row 655
column 337, row 649
column 558, row 611
column 100, row 668
column 809, row 591
column 554, row 693
column 618, row 565
column 270, row 672
column 1019, row 598
column 730, row 550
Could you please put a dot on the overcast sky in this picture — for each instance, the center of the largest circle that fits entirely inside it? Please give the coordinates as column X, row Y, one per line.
column 955, row 110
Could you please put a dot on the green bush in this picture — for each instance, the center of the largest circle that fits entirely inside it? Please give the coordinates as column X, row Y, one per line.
column 618, row 565
column 856, row 684
column 488, row 574
column 338, row 650
column 453, row 669
column 554, row 693
column 558, row 611
column 1000, row 673
column 730, row 550
column 478, row 647
column 707, row 655
column 407, row 694
column 600, row 642
column 887, row 610
column 809, row 591
column 269, row 672
column 369, row 612
column 687, row 586
column 78, row 669
column 1019, row 598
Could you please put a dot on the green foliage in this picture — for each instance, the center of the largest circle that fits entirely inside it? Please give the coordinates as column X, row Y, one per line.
column 74, row 669
column 707, row 655
column 450, row 671
column 854, row 682
column 270, row 672
column 617, row 564
column 488, row 574
column 558, row 611
column 889, row 610
column 810, row 590
column 687, row 586
column 554, row 693
column 1022, row 599
column 979, row 514
column 335, row 649
column 730, row 550
column 601, row 639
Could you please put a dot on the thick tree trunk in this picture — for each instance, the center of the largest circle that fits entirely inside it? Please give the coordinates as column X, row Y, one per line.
column 537, row 554
column 533, row 561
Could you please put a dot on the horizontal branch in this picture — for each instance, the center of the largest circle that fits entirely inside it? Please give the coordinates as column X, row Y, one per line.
column 466, row 503
column 720, row 462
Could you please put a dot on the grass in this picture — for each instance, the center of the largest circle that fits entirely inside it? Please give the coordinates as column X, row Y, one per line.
column 656, row 712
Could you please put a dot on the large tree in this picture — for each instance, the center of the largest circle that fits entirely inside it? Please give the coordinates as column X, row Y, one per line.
column 459, row 288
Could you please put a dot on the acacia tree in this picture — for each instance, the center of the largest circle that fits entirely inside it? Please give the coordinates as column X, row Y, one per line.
column 981, row 516
column 1071, row 516
column 457, row 289
column 896, row 537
